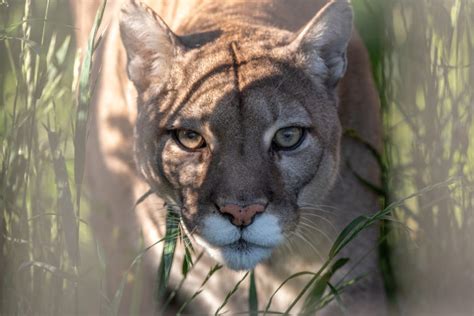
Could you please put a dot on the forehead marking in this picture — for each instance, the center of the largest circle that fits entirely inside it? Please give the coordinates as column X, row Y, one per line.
column 236, row 62
column 235, row 66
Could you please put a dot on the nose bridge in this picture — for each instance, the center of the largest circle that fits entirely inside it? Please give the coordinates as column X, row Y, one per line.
column 242, row 178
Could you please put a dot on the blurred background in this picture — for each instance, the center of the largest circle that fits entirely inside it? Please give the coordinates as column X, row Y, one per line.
column 422, row 53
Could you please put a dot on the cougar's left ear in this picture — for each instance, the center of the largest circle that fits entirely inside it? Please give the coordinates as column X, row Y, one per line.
column 322, row 43
column 151, row 46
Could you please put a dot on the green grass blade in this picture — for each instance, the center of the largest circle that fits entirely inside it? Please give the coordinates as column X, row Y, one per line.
column 119, row 292
column 291, row 277
column 253, row 298
column 164, row 270
column 336, row 294
column 188, row 259
column 143, row 198
column 84, row 98
column 347, row 234
column 49, row 268
column 231, row 293
column 213, row 270
column 320, row 286
column 65, row 205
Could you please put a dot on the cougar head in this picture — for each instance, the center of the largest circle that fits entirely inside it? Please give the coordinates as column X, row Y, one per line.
column 239, row 129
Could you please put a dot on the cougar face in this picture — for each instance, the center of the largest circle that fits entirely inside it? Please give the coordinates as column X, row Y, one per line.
column 241, row 129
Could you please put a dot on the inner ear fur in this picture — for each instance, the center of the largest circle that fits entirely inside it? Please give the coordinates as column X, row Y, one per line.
column 150, row 44
column 322, row 43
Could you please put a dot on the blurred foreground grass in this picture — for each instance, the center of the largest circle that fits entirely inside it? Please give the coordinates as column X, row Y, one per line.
column 40, row 123
column 428, row 76
column 422, row 54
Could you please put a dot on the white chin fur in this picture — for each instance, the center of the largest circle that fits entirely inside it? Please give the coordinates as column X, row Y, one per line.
column 221, row 240
column 239, row 259
column 245, row 259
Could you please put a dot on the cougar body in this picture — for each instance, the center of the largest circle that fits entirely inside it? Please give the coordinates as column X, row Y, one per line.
column 236, row 73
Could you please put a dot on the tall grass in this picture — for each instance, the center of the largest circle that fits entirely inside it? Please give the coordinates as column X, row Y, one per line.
column 41, row 224
column 428, row 77
column 50, row 262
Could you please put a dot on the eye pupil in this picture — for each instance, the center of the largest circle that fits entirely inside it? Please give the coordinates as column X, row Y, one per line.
column 288, row 138
column 288, row 135
column 191, row 134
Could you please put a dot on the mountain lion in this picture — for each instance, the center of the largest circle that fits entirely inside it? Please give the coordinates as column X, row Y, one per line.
column 234, row 113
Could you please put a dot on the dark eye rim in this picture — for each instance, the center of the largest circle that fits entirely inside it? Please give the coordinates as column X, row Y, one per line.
column 174, row 135
column 277, row 147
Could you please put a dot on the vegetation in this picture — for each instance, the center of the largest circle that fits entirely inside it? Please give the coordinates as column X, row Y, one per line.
column 422, row 54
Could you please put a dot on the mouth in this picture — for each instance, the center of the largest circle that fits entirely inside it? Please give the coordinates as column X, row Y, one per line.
column 243, row 245
column 244, row 255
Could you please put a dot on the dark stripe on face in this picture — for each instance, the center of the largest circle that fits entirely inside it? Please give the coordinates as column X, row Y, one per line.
column 235, row 66
column 196, row 85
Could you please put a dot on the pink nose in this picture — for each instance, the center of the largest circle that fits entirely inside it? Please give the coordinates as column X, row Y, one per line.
column 242, row 216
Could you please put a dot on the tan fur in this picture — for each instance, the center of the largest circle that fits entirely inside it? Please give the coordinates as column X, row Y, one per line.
column 112, row 170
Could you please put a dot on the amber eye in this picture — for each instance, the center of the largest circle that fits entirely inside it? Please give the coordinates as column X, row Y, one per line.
column 288, row 138
column 190, row 139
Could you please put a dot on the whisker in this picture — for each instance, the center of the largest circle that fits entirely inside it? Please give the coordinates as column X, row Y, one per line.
column 290, row 239
column 307, row 209
column 322, row 207
column 309, row 244
column 303, row 216
column 317, row 230
column 288, row 245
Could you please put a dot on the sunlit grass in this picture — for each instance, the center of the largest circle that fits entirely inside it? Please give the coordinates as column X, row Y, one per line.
column 429, row 120
column 41, row 222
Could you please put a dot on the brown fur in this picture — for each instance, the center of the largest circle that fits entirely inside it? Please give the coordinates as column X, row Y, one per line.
column 250, row 59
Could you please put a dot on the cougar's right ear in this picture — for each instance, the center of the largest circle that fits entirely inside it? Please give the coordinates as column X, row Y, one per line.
column 150, row 44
